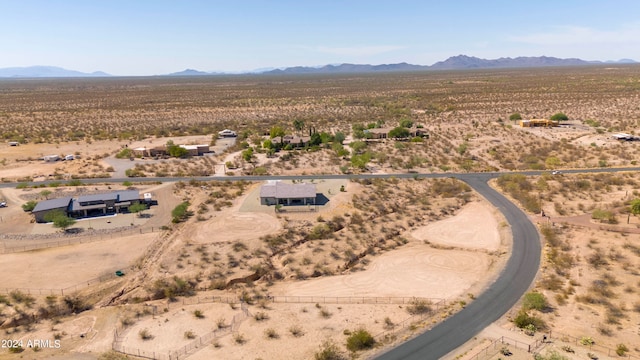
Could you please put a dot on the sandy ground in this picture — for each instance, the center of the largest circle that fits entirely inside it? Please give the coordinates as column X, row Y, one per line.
column 233, row 226
column 476, row 232
column 413, row 270
column 70, row 265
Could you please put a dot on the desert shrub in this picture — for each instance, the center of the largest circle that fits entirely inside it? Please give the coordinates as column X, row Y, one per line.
column 22, row 298
column 621, row 349
column 296, row 331
column 535, row 300
column 164, row 288
column 324, row 313
column 523, row 320
column 198, row 314
column 271, row 333
column 587, row 341
column 518, row 187
column 261, row 315
column 329, row 351
column 605, row 216
column 181, row 212
column 360, row 340
column 145, row 334
column 550, row 355
column 113, row 355
column 29, row 205
column 239, row 339
column 419, row 306
column 189, row 335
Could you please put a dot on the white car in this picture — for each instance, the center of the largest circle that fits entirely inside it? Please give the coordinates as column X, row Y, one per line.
column 556, row 172
column 227, row 133
column 3, row 204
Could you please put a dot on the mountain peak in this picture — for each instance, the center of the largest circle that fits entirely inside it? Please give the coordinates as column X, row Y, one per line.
column 46, row 71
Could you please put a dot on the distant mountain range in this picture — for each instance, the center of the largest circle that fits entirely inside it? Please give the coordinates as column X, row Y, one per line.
column 459, row 62
column 45, row 71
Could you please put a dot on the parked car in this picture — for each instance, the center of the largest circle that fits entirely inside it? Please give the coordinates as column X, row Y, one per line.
column 227, row 133
column 3, row 204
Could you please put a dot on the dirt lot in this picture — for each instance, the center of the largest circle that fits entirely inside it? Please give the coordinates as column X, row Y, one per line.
column 431, row 270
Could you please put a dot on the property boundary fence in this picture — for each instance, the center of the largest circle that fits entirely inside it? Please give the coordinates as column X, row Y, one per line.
column 291, row 299
column 495, row 346
column 120, row 333
column 70, row 240
column 384, row 335
column 61, row 292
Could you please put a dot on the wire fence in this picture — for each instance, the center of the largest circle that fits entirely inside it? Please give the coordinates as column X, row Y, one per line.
column 499, row 344
column 121, row 331
column 61, row 292
column 590, row 345
column 292, row 299
column 69, row 240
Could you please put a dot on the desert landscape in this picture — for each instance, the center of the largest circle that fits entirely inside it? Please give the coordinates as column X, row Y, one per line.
column 208, row 272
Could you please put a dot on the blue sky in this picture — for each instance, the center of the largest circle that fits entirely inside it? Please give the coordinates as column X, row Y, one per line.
column 129, row 37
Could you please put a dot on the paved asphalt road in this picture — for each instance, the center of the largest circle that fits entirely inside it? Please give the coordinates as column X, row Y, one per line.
column 506, row 290
column 512, row 283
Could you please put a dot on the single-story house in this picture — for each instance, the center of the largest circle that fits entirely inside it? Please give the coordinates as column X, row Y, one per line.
column 44, row 207
column 538, row 123
column 279, row 193
column 293, row 140
column 88, row 205
column 196, row 150
column 383, row 133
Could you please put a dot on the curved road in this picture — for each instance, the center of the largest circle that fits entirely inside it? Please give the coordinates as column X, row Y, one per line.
column 511, row 284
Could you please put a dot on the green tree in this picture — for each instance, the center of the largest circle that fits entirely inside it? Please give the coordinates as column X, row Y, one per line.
column 552, row 162
column 635, row 207
column 45, row 193
column 175, row 150
column 358, row 131
column 339, row 137
column 315, row 140
column 559, row 117
column 29, row 205
column 358, row 146
column 277, row 131
column 406, row 123
column 515, row 117
column 138, row 208
column 247, row 154
column 298, row 124
column 268, row 144
column 399, row 132
column 59, row 219
column 360, row 161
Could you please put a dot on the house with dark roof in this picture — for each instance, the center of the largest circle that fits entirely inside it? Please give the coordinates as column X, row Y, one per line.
column 88, row 205
column 42, row 208
column 279, row 193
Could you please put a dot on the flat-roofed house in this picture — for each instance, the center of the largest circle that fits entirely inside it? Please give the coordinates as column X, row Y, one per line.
column 44, row 207
column 103, row 204
column 279, row 193
column 88, row 205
